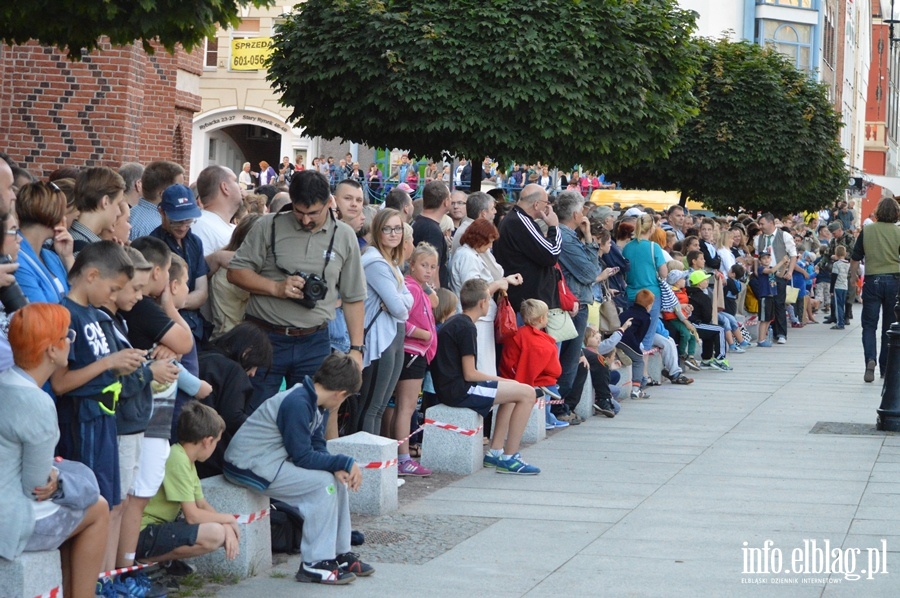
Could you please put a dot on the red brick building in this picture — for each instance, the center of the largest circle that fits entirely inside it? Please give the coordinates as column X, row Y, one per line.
column 116, row 105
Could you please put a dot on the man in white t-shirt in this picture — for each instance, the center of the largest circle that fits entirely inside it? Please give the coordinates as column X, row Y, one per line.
column 221, row 197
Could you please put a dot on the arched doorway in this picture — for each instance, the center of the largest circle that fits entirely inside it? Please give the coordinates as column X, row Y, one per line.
column 230, row 136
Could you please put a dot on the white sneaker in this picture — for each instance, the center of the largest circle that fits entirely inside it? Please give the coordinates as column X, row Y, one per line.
column 781, row 340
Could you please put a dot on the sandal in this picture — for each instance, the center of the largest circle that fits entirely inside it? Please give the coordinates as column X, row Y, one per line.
column 682, row 379
column 415, row 451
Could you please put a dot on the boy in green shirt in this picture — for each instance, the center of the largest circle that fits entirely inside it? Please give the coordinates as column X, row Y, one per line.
column 165, row 537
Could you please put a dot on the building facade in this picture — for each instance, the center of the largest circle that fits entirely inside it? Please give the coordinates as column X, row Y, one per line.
column 118, row 104
column 240, row 119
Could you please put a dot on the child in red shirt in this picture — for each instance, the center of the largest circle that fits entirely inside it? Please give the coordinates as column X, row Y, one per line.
column 531, row 356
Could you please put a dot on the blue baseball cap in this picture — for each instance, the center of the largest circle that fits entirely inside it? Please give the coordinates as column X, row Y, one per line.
column 178, row 204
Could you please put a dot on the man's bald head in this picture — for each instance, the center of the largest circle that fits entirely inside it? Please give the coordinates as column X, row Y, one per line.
column 531, row 194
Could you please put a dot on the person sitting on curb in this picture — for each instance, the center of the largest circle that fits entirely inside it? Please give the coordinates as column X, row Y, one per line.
column 280, row 451
column 459, row 384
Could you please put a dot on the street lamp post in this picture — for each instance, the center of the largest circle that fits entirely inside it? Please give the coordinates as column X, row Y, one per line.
column 889, row 411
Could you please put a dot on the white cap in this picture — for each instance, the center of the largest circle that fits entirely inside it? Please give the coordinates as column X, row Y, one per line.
column 634, row 212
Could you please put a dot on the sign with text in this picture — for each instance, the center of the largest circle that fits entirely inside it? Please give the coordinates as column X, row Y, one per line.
column 250, row 54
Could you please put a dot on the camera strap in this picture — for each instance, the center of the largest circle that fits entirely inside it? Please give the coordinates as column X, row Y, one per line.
column 328, row 251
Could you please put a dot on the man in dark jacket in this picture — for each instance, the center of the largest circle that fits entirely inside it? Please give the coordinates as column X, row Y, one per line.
column 523, row 249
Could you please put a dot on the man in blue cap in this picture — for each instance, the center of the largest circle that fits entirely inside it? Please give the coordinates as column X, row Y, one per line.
column 179, row 210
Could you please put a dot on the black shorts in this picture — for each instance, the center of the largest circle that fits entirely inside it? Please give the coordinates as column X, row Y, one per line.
column 480, row 397
column 414, row 367
column 161, row 538
column 766, row 309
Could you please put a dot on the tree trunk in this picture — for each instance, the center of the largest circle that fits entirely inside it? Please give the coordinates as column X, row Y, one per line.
column 682, row 199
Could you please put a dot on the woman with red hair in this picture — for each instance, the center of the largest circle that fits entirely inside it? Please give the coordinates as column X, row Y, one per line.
column 29, row 520
column 473, row 259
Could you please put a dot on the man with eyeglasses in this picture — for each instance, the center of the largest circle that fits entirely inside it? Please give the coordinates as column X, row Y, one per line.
column 282, row 254
column 178, row 210
column 457, row 209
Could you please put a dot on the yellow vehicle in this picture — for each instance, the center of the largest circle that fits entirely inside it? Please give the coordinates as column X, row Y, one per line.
column 658, row 200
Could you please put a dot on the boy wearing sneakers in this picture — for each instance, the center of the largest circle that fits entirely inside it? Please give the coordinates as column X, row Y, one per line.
column 712, row 337
column 531, row 356
column 164, row 536
column 280, row 451
column 154, row 326
column 458, row 384
column 677, row 321
column 763, row 286
column 88, row 388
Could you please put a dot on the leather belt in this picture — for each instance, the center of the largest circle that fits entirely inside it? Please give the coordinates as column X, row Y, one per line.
column 286, row 330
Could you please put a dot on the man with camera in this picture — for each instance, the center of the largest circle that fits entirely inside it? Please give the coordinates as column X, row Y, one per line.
column 296, row 264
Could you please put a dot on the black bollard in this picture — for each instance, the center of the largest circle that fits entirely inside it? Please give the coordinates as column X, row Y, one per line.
column 889, row 411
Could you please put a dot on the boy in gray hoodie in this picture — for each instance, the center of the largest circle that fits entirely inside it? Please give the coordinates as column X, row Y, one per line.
column 280, row 451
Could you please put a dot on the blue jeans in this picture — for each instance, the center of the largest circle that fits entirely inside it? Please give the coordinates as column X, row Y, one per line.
column 840, row 304
column 879, row 294
column 647, row 342
column 570, row 353
column 292, row 359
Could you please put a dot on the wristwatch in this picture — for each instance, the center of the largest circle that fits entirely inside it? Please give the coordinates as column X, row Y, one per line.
column 360, row 348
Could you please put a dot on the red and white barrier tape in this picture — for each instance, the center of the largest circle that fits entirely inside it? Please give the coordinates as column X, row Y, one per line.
column 54, row 593
column 114, row 572
column 452, row 428
column 380, row 464
column 242, row 519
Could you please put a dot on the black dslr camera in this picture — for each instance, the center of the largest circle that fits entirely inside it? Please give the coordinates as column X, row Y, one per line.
column 314, row 289
column 11, row 296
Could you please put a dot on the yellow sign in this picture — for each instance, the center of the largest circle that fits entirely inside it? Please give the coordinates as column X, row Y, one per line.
column 249, row 54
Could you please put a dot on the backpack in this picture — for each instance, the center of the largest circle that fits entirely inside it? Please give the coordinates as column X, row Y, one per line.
column 287, row 527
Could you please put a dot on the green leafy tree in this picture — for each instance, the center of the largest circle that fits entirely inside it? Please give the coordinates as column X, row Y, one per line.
column 600, row 82
column 75, row 24
column 766, row 137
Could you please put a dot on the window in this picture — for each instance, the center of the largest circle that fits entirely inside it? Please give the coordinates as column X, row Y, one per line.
column 794, row 3
column 212, row 53
column 794, row 40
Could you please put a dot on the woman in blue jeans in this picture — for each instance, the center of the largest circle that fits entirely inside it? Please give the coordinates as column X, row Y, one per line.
column 647, row 264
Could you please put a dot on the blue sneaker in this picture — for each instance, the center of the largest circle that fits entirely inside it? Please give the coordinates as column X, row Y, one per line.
column 765, row 343
column 515, row 465
column 490, row 460
column 745, row 345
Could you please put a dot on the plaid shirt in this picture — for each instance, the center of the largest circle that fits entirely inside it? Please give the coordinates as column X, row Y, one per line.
column 144, row 219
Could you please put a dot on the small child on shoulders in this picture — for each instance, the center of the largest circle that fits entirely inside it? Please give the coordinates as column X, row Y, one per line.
column 531, row 356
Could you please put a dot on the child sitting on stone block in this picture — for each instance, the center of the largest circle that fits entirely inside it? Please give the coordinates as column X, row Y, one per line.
column 164, row 536
column 458, row 383
column 531, row 356
column 280, row 451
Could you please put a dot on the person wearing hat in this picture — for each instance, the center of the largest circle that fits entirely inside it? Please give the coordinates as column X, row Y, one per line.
column 712, row 337
column 179, row 210
column 677, row 321
column 838, row 237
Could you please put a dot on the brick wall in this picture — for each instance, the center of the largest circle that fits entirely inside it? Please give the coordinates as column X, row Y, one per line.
column 117, row 105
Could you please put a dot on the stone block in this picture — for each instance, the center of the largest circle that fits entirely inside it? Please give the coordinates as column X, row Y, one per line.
column 378, row 493
column 256, row 537
column 449, row 451
column 536, row 429
column 654, row 365
column 32, row 574
column 585, row 406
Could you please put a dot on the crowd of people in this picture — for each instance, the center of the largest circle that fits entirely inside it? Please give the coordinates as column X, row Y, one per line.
column 159, row 333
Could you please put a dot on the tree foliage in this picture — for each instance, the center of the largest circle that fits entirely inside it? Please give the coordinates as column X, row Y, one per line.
column 599, row 82
column 75, row 24
column 766, row 137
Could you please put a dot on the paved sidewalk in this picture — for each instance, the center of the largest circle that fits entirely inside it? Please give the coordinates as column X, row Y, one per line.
column 660, row 500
